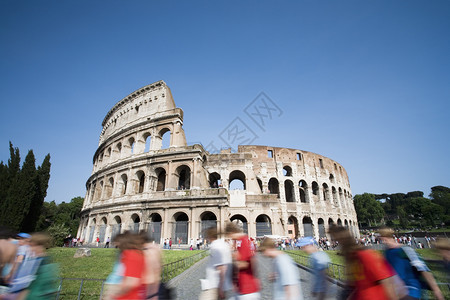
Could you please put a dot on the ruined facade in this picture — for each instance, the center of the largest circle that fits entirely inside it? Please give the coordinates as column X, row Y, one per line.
column 145, row 177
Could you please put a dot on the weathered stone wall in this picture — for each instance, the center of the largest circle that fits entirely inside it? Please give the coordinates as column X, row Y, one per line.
column 181, row 190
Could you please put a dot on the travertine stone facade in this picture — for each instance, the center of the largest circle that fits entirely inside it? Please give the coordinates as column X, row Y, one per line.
column 178, row 191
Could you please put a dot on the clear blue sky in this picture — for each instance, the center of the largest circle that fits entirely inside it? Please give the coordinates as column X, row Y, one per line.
column 366, row 83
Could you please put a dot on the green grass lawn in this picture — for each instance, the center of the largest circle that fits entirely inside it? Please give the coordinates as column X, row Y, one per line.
column 98, row 266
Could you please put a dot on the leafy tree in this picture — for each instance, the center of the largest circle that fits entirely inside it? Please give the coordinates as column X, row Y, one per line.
column 368, row 208
column 58, row 233
column 441, row 196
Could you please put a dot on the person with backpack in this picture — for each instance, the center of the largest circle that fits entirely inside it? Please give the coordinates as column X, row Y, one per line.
column 409, row 267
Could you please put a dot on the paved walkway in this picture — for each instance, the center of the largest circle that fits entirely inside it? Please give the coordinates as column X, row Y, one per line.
column 187, row 284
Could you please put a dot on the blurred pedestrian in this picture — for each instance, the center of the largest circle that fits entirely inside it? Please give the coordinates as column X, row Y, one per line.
column 153, row 266
column 286, row 277
column 409, row 267
column 370, row 278
column 318, row 261
column 132, row 259
column 23, row 253
column 115, row 277
column 218, row 282
column 244, row 262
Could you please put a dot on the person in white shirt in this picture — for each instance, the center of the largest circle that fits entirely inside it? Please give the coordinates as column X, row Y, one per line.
column 218, row 281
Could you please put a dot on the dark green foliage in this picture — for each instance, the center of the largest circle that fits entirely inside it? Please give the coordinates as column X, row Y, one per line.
column 22, row 190
column 368, row 209
column 411, row 209
column 64, row 214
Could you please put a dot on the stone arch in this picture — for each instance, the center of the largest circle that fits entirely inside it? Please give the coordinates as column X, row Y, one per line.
column 287, row 171
column 140, row 183
column 239, row 178
column 165, row 135
column 322, row 231
column 132, row 145
column 118, row 149
column 292, row 227
column 116, row 226
column 326, row 192
column 330, row 221
column 341, row 198
column 339, row 222
column 207, row 220
column 331, row 178
column 147, row 139
column 274, row 186
column 214, row 180
column 154, row 227
column 345, row 223
column 161, row 179
column 334, row 193
column 183, row 173
column 124, row 184
column 303, row 188
column 315, row 188
column 181, row 227
column 241, row 221
column 307, row 226
column 263, row 225
column 110, row 187
column 102, row 229
column 136, row 220
column 289, row 191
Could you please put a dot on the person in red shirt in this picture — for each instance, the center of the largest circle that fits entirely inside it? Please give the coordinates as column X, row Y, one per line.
column 244, row 260
column 369, row 274
column 132, row 286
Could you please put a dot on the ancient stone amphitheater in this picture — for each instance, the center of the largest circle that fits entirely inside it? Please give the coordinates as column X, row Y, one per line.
column 145, row 176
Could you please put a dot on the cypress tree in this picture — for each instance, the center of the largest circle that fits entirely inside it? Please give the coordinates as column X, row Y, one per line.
column 21, row 192
column 11, row 174
column 41, row 185
column 3, row 187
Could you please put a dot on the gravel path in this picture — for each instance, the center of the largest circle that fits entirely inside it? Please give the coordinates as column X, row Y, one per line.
column 187, row 284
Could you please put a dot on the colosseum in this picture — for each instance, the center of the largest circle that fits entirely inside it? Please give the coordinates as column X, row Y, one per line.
column 145, row 176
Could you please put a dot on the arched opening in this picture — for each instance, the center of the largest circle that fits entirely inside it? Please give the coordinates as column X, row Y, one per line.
column 110, row 187
column 322, row 231
column 208, row 220
column 263, row 226
column 292, row 227
column 184, row 177
column 124, row 178
column 102, row 230
column 141, row 181
column 154, row 227
column 289, row 191
column 116, row 227
column 135, row 226
column 165, row 138
column 287, row 171
column 260, row 184
column 315, row 188
column 308, row 226
column 148, row 140
column 180, row 230
column 214, row 180
column 330, row 222
column 339, row 222
column 325, row 192
column 237, row 180
column 241, row 221
column 91, row 231
column 331, row 178
column 119, row 149
column 132, row 144
column 274, row 187
column 334, row 192
column 302, row 191
column 161, row 184
column 340, row 197
column 346, row 223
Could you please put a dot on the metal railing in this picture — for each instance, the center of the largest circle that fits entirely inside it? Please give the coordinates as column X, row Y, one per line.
column 334, row 270
column 169, row 271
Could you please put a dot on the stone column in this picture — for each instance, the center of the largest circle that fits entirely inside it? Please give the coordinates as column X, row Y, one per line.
column 165, row 230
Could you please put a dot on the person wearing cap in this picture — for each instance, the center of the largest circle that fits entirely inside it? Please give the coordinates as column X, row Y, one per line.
column 318, row 261
column 23, row 252
column 286, row 283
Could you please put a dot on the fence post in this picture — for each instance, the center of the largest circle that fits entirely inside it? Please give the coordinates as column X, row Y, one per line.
column 79, row 291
